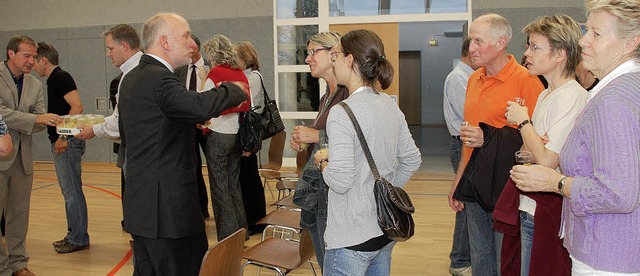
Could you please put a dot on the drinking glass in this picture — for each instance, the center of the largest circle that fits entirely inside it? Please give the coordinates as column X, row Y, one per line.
column 302, row 145
column 524, row 157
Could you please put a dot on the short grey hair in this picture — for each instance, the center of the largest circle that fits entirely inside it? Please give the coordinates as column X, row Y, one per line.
column 498, row 26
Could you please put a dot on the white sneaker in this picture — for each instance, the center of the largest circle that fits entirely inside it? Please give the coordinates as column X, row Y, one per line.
column 463, row 271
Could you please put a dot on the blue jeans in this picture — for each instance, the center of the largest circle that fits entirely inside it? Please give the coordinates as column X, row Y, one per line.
column 342, row 261
column 69, row 171
column 526, row 238
column 317, row 231
column 455, row 149
column 485, row 244
column 223, row 163
column 459, row 255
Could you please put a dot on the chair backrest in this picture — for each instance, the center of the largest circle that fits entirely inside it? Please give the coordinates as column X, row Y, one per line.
column 225, row 257
column 306, row 247
column 276, row 150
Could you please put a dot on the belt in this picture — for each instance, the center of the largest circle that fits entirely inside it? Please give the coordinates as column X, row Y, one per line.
column 456, row 137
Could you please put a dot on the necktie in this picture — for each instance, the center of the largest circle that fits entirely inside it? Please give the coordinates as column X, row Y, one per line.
column 193, row 81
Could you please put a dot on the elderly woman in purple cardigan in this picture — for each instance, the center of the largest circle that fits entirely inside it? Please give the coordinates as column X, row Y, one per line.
column 600, row 160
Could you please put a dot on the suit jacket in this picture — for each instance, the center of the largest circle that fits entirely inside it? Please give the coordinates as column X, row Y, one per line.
column 20, row 118
column 157, row 115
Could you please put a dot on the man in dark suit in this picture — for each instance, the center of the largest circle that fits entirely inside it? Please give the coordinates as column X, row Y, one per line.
column 194, row 76
column 161, row 208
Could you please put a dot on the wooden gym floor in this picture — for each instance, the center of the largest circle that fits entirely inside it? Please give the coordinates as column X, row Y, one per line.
column 427, row 253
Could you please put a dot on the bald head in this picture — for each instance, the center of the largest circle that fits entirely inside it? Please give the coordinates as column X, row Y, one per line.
column 168, row 36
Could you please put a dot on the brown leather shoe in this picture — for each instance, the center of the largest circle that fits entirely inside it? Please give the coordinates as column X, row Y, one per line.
column 68, row 247
column 60, row 242
column 23, row 272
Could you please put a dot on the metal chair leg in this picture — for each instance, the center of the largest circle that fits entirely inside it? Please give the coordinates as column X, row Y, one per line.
column 266, row 185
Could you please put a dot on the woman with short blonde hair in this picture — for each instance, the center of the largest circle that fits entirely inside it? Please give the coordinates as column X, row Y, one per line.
column 600, row 164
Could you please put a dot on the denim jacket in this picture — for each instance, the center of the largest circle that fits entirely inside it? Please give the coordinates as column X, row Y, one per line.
column 311, row 192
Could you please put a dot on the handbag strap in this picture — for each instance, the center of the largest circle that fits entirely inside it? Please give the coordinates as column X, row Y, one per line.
column 363, row 141
column 264, row 90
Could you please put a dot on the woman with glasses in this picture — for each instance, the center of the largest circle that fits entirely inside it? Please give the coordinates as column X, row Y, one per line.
column 355, row 245
column 600, row 159
column 311, row 192
column 552, row 52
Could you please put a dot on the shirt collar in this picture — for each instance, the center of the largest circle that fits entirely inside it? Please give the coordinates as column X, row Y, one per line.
column 199, row 63
column 15, row 78
column 131, row 63
column 626, row 67
column 465, row 67
column 53, row 72
column 162, row 61
column 504, row 74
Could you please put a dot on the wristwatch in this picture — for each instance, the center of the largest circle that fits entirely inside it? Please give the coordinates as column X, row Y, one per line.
column 561, row 185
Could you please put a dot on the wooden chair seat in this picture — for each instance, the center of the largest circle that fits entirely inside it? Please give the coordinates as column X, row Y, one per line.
column 287, row 202
column 275, row 174
column 278, row 254
column 275, row 252
column 286, row 186
column 282, row 217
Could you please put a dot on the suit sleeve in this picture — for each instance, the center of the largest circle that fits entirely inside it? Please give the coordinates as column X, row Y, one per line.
column 179, row 104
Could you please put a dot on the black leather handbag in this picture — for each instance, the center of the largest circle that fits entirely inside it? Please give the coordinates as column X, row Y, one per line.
column 250, row 131
column 271, row 121
column 394, row 206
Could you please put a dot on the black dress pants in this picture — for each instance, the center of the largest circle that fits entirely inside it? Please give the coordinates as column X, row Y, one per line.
column 164, row 256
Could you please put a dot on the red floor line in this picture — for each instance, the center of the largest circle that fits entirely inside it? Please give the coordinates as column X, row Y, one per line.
column 103, row 190
column 121, row 263
column 126, row 258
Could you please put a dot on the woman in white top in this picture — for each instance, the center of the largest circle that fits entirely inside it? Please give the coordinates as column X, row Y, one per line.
column 554, row 53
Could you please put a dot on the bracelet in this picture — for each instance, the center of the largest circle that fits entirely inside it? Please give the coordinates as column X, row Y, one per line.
column 561, row 185
column 524, row 123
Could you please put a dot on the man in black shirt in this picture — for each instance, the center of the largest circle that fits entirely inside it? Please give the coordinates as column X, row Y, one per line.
column 63, row 99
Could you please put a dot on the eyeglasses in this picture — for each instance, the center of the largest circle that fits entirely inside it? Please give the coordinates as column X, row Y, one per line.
column 534, row 47
column 312, row 52
column 334, row 55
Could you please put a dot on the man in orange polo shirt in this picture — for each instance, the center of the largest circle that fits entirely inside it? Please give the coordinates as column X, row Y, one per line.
column 500, row 79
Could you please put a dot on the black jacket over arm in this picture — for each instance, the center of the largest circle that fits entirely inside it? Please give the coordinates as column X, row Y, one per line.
column 157, row 116
column 487, row 171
